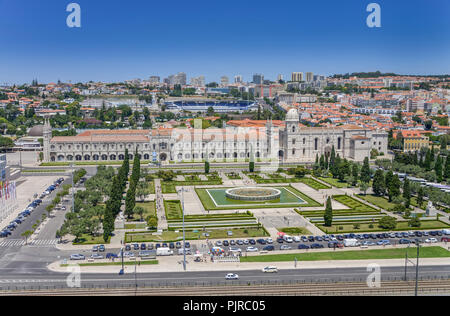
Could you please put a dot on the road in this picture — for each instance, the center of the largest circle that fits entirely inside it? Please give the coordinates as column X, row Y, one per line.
column 10, row 278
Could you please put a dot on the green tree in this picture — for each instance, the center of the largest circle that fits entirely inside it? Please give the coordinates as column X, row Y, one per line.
column 130, row 200
column 364, row 186
column 365, row 171
column 138, row 210
column 420, row 195
column 26, row 234
column 378, row 185
column 414, row 222
column 387, row 222
column 406, row 192
column 447, row 168
column 438, row 169
column 206, row 166
column 355, row 172
column 328, row 215
column 394, row 187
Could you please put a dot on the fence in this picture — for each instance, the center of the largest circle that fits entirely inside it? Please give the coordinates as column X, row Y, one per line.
column 226, row 283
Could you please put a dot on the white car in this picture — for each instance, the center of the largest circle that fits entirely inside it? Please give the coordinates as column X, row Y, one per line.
column 431, row 240
column 235, row 249
column 252, row 249
column 232, row 276
column 269, row 240
column 218, row 243
column 270, row 269
column 96, row 256
column 297, row 238
column 285, row 247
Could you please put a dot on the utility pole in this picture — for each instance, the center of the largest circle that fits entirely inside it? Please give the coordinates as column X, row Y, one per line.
column 417, row 267
column 184, row 231
column 73, row 188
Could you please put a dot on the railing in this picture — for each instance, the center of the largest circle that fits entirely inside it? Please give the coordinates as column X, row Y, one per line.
column 226, row 283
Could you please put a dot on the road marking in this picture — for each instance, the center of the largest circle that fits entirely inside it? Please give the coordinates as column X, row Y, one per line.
column 10, row 243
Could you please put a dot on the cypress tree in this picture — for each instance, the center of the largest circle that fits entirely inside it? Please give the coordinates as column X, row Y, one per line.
column 438, row 169
column 355, row 173
column 328, row 215
column 378, row 185
column 406, row 193
column 365, row 171
column 447, row 168
column 420, row 194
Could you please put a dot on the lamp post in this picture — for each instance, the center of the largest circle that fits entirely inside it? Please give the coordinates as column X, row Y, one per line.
column 184, row 231
column 73, row 188
column 417, row 267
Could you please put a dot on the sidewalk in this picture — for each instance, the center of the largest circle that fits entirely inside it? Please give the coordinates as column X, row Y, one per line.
column 174, row 264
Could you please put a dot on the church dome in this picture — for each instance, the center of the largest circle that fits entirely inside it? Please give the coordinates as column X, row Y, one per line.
column 292, row 115
column 36, row 131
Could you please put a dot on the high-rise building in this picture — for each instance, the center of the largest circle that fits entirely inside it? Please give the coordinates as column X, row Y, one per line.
column 154, row 79
column 224, row 81
column 309, row 77
column 179, row 78
column 279, row 77
column 198, row 81
column 258, row 78
column 297, row 76
column 238, row 79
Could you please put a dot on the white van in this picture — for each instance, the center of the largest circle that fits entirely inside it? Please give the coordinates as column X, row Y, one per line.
column 164, row 252
column 446, row 231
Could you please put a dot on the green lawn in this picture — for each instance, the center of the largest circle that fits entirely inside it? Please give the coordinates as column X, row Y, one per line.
column 168, row 236
column 377, row 200
column 173, row 209
column 334, row 182
column 190, row 180
column 396, row 253
column 149, row 209
column 313, row 183
column 354, row 204
column 290, row 197
column 151, row 187
column 364, row 227
column 87, row 239
column 294, row 230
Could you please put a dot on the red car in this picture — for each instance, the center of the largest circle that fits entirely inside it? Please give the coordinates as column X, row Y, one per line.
column 446, row 239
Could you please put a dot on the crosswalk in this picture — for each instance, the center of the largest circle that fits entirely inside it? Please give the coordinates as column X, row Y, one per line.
column 33, row 243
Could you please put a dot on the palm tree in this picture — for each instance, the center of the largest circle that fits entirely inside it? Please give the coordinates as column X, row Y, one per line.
column 27, row 234
column 139, row 211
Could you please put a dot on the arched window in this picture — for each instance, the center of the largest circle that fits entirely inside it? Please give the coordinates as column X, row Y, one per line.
column 316, row 143
column 339, row 143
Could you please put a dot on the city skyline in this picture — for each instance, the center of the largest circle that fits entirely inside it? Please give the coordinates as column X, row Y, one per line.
column 119, row 42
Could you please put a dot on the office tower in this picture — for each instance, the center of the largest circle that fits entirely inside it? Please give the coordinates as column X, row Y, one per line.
column 238, row 79
column 297, row 76
column 154, row 79
column 198, row 81
column 258, row 78
column 224, row 81
column 279, row 77
column 309, row 76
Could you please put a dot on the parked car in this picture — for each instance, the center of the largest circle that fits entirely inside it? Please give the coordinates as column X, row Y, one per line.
column 127, row 247
column 111, row 256
column 269, row 248
column 77, row 257
column 96, row 256
column 431, row 240
column 101, row 248
column 251, row 249
column 285, row 247
column 303, row 246
column 95, row 248
column 316, row 246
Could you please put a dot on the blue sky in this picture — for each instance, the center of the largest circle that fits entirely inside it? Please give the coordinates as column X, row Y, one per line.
column 122, row 40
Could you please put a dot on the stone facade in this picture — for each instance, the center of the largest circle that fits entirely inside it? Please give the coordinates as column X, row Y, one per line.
column 293, row 143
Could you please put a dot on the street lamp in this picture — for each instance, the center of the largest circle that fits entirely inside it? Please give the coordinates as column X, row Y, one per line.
column 73, row 187
column 417, row 266
column 184, row 231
